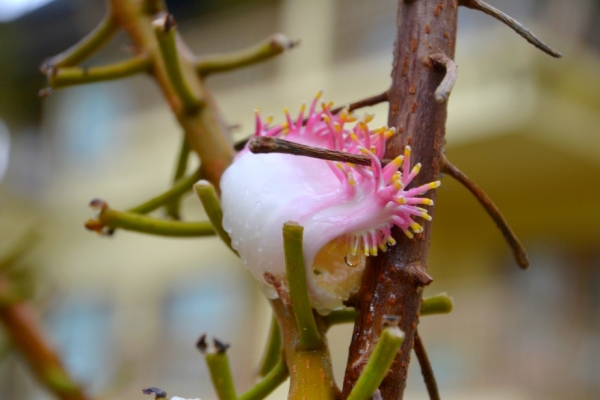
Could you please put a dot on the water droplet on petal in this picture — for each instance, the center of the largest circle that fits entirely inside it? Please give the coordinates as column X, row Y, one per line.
column 352, row 259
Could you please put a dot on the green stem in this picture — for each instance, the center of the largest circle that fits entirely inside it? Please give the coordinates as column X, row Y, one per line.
column 262, row 51
column 69, row 76
column 180, row 187
column 208, row 196
column 220, row 373
column 273, row 351
column 438, row 304
column 277, row 375
column 296, row 274
column 113, row 219
column 165, row 30
column 173, row 207
column 84, row 48
column 378, row 365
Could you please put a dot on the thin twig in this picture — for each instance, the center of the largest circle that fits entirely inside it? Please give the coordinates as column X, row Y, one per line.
column 108, row 220
column 492, row 210
column 369, row 101
column 277, row 375
column 165, row 29
column 309, row 338
column 220, row 372
column 265, row 145
column 443, row 91
column 272, row 353
column 269, row 48
column 69, row 76
column 84, row 48
column 426, row 369
column 512, row 23
column 179, row 188
column 208, row 196
column 173, row 207
column 438, row 304
column 23, row 331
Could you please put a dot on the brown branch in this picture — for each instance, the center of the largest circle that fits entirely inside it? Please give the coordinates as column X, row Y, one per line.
column 369, row 101
column 389, row 285
column 426, row 369
column 492, row 210
column 264, row 145
column 441, row 61
column 21, row 327
column 512, row 23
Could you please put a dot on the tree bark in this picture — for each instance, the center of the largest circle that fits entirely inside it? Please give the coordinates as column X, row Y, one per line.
column 393, row 281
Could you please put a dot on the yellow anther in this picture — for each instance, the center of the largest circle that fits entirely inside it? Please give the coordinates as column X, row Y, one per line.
column 401, row 200
column 284, row 125
column 363, row 150
column 435, row 184
column 303, row 107
column 397, row 185
column 326, row 118
column 354, row 137
column 422, row 210
column 398, row 161
column 337, row 127
column 373, row 251
column 373, row 149
column 407, row 152
column 416, row 227
column 427, row 202
column 286, row 110
column 339, row 165
column 409, row 234
column 368, row 118
column 389, row 134
column 392, row 241
column 269, row 119
column 330, row 104
column 416, row 169
column 426, row 217
column 319, row 94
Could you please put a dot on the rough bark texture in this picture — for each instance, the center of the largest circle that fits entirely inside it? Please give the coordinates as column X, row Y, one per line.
column 393, row 281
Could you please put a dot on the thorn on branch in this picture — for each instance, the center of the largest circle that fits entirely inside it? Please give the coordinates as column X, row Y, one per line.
column 512, row 23
column 492, row 210
column 421, row 277
column 441, row 61
column 369, row 101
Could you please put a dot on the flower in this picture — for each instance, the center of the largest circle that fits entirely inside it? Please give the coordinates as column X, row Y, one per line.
column 347, row 210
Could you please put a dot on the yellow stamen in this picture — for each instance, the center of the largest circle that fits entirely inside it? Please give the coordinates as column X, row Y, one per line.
column 416, row 169
column 401, row 200
column 392, row 241
column 407, row 152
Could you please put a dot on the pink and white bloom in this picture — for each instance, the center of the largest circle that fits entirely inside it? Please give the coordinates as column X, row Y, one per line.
column 347, row 211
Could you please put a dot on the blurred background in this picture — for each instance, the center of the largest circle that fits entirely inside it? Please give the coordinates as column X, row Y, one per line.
column 126, row 311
